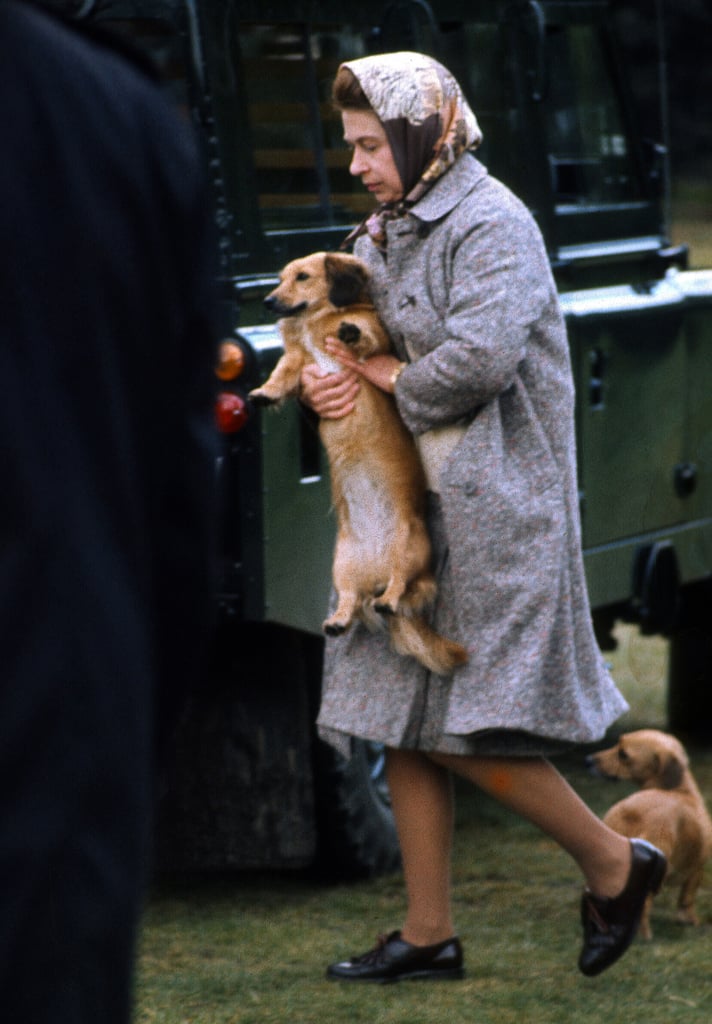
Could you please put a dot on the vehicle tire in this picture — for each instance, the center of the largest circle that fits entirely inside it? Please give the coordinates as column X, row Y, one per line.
column 356, row 833
column 237, row 790
column 690, row 666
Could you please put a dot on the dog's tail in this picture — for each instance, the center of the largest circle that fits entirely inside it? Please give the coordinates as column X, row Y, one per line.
column 412, row 635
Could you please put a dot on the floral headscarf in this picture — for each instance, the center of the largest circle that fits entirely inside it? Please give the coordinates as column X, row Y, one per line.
column 427, row 121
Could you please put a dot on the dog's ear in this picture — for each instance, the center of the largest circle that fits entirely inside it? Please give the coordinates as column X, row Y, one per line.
column 671, row 771
column 345, row 279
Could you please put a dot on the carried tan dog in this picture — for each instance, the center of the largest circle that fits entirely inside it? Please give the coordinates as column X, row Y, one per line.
column 381, row 568
column 668, row 810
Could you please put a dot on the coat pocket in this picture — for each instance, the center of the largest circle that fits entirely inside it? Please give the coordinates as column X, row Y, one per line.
column 505, row 449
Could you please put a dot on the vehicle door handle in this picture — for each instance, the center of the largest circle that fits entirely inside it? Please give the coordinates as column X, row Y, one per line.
column 685, row 478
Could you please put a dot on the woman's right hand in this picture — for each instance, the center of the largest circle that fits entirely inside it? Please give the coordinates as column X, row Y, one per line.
column 330, row 395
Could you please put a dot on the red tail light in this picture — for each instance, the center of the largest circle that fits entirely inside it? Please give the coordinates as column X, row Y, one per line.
column 230, row 412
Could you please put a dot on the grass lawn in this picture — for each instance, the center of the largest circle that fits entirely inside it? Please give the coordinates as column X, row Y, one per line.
column 251, row 949
column 692, row 217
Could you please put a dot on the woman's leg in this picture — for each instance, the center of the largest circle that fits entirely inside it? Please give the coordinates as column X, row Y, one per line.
column 620, row 874
column 533, row 788
column 421, row 796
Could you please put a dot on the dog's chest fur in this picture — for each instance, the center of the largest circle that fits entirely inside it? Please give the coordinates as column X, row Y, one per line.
column 303, row 336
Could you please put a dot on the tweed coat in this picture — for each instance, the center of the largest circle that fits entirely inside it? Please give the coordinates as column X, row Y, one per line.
column 466, row 280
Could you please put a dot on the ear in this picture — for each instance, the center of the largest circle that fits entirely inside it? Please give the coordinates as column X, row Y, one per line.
column 671, row 771
column 346, row 280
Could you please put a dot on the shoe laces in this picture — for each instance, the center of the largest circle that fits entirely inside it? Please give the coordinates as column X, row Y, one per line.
column 594, row 914
column 375, row 956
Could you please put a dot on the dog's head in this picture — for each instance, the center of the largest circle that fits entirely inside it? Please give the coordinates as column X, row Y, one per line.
column 652, row 759
column 322, row 279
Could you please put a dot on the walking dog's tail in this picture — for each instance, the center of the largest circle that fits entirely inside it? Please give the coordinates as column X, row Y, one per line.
column 412, row 635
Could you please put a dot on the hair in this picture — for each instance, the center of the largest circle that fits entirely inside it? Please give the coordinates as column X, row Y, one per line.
column 346, row 92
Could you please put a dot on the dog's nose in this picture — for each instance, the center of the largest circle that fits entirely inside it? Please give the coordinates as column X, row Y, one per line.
column 269, row 302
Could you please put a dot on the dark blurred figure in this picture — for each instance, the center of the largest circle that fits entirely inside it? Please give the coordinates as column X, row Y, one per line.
column 106, row 351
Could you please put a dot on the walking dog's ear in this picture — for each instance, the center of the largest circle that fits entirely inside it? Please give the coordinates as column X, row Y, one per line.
column 346, row 279
column 671, row 771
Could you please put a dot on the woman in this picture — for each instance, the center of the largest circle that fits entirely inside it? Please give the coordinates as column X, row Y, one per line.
column 482, row 378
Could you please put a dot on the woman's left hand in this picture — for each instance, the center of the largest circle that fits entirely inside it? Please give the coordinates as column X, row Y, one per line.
column 378, row 370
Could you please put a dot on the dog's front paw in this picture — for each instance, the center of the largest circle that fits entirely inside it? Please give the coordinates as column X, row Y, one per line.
column 260, row 397
column 348, row 333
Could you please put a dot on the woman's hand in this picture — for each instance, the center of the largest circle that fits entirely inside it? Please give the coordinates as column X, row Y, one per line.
column 330, row 395
column 379, row 370
column 333, row 395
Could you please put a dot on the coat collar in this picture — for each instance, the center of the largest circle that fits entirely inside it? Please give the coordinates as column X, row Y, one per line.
column 444, row 196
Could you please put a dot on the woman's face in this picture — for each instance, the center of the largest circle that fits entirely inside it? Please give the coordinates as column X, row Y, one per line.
column 372, row 159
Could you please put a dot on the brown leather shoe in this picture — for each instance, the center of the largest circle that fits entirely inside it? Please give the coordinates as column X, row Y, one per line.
column 394, row 959
column 609, row 925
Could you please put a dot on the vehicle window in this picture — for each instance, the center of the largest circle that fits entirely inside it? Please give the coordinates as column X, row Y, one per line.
column 275, row 144
column 589, row 156
column 280, row 142
column 300, row 158
column 476, row 54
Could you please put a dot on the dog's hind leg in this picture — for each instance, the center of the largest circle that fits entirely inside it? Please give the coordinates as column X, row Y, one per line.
column 343, row 616
column 387, row 602
column 407, row 597
column 409, row 552
column 346, row 576
column 420, row 595
column 686, row 900
column 645, row 932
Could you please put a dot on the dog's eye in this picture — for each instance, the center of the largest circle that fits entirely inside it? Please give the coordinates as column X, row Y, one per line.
column 302, row 276
column 622, row 756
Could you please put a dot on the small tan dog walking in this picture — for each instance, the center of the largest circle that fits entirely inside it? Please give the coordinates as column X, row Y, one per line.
column 381, row 567
column 668, row 810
